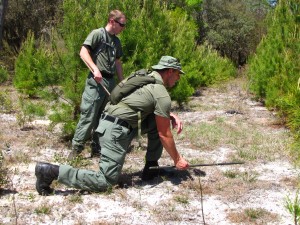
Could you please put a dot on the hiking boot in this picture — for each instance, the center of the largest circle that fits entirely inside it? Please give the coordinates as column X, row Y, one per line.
column 150, row 174
column 45, row 173
column 95, row 150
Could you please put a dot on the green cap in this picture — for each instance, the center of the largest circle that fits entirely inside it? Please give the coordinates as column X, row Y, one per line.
column 168, row 62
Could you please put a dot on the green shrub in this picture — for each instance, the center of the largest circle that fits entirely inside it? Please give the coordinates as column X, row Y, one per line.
column 62, row 114
column 5, row 103
column 3, row 172
column 35, row 67
column 3, row 74
column 293, row 206
column 182, row 91
column 205, row 68
column 28, row 111
column 152, row 30
column 274, row 69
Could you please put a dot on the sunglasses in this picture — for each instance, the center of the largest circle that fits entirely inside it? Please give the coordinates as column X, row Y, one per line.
column 121, row 24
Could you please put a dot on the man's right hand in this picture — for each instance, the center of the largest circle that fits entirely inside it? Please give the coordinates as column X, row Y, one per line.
column 97, row 75
column 182, row 164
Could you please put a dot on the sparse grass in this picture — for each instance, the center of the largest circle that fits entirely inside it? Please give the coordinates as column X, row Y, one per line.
column 250, row 142
column 182, row 199
column 18, row 157
column 122, row 194
column 77, row 198
column 137, row 205
column 252, row 216
column 128, row 170
column 249, row 176
column 43, row 209
column 6, row 105
column 231, row 174
column 37, row 142
column 170, row 200
column 31, row 197
column 197, row 106
column 59, row 158
column 80, row 162
column 195, row 161
column 166, row 211
column 109, row 190
column 192, row 184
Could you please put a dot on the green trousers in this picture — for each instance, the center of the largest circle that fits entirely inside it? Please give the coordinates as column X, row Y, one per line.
column 93, row 102
column 114, row 140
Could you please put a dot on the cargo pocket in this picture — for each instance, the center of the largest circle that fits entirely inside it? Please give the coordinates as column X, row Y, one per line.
column 100, row 131
column 86, row 104
column 116, row 132
column 91, row 81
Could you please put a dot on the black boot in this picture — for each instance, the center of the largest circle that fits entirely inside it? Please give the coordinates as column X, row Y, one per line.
column 45, row 173
column 150, row 174
column 95, row 150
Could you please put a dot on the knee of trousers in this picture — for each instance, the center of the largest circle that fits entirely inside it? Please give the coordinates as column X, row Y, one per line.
column 110, row 169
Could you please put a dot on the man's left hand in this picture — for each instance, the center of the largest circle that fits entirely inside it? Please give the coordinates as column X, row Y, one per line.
column 176, row 123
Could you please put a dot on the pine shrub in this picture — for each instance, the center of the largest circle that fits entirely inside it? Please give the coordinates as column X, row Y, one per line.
column 34, row 68
column 3, row 74
column 3, row 172
column 274, row 69
column 152, row 30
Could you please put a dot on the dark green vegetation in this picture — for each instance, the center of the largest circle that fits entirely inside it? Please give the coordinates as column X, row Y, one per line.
column 3, row 172
column 274, row 69
column 212, row 38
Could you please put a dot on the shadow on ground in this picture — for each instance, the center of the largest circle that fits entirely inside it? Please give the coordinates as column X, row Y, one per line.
column 176, row 177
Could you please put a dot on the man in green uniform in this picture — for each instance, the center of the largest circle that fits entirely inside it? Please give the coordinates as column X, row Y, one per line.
column 118, row 125
column 102, row 52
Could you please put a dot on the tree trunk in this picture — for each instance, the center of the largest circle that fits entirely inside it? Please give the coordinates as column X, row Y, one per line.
column 3, row 6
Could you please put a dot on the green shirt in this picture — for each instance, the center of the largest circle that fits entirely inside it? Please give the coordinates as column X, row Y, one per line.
column 151, row 98
column 105, row 49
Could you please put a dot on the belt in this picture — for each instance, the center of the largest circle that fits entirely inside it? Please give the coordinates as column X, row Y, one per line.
column 113, row 119
column 107, row 75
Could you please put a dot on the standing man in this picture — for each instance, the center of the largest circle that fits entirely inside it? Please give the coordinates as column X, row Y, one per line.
column 101, row 51
column 118, row 125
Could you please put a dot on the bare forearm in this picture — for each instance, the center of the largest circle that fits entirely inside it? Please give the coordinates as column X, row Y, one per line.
column 85, row 55
column 169, row 145
column 166, row 137
column 119, row 69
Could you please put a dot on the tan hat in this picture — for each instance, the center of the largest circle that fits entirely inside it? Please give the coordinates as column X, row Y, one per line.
column 168, row 62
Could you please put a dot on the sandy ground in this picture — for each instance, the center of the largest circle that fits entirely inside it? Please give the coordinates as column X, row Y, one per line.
column 197, row 196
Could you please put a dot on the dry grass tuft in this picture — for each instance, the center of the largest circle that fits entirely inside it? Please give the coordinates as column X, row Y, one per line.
column 257, row 216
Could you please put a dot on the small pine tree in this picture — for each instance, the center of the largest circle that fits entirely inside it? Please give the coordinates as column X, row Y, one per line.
column 34, row 67
column 274, row 69
column 3, row 74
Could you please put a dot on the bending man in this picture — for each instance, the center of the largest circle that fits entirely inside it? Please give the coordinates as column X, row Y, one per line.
column 117, row 127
